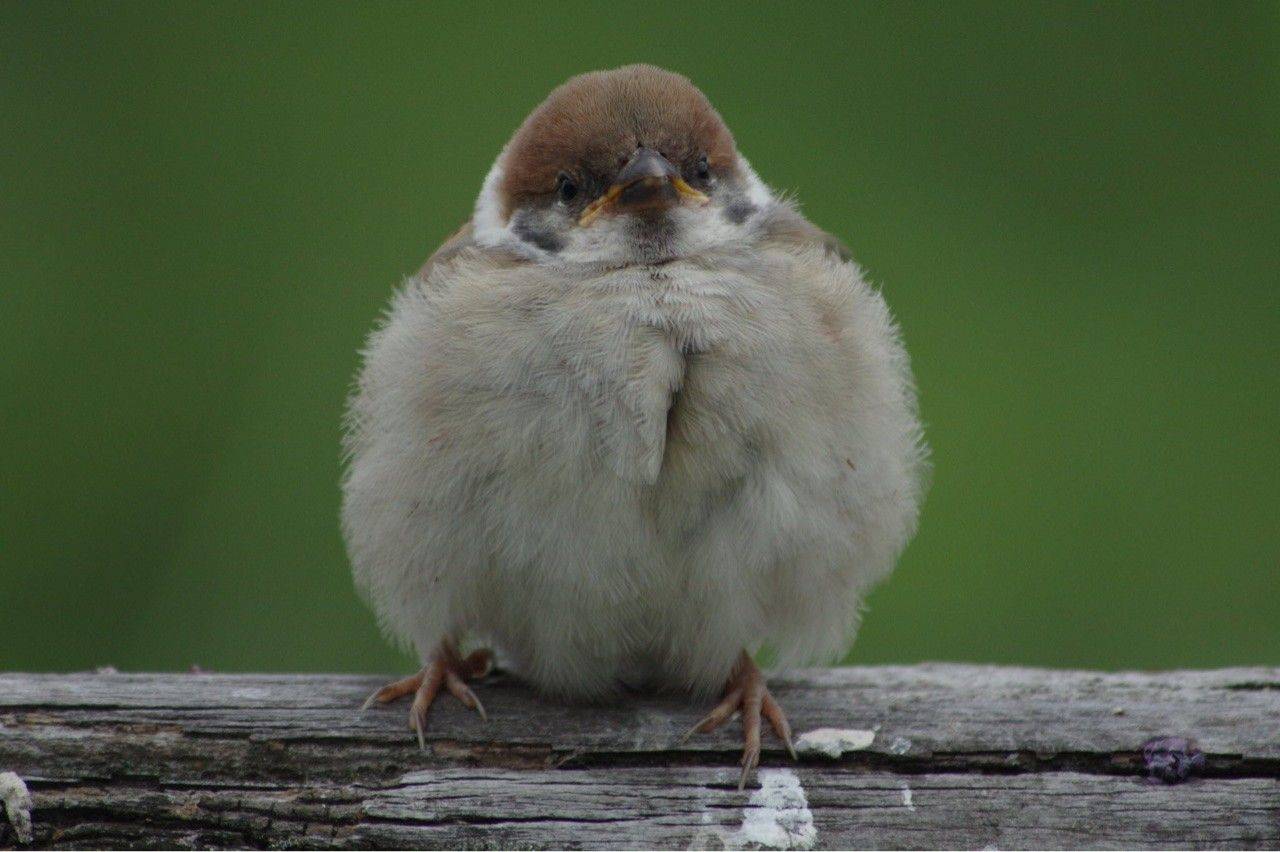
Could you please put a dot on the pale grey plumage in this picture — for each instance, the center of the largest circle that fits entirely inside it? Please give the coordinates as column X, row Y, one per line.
column 628, row 472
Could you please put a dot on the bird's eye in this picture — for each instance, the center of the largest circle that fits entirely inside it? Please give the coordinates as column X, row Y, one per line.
column 704, row 168
column 566, row 188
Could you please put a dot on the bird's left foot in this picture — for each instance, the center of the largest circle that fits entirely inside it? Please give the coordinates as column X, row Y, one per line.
column 447, row 669
column 746, row 691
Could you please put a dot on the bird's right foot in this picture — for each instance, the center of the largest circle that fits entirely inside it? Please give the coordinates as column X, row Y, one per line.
column 448, row 669
column 747, row 693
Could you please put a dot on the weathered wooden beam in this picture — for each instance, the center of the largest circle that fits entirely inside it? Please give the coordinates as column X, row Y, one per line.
column 934, row 756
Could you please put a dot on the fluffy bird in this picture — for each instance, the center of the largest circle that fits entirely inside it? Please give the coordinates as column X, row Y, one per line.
column 634, row 421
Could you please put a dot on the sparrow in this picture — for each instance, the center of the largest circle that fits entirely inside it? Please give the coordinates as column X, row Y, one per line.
column 635, row 421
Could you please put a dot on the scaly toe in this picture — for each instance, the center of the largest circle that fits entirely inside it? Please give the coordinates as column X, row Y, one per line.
column 773, row 712
column 433, row 677
column 719, row 714
column 459, row 690
column 393, row 690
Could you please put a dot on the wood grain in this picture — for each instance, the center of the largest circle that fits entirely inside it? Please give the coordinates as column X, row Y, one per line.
column 961, row 756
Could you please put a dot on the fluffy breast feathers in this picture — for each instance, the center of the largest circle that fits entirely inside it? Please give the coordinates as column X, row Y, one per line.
column 633, row 472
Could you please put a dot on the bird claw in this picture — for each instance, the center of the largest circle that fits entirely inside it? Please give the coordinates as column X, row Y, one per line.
column 418, row 724
column 459, row 690
column 446, row 669
column 750, row 761
column 746, row 693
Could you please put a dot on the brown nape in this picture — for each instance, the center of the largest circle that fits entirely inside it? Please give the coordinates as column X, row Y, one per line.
column 589, row 127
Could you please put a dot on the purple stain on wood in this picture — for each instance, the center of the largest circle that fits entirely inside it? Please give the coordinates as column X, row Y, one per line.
column 1171, row 759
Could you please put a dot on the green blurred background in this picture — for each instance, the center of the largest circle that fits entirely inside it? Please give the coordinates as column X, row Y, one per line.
column 1073, row 209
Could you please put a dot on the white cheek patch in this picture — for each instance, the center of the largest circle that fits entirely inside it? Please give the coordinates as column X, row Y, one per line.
column 486, row 222
column 489, row 229
column 757, row 193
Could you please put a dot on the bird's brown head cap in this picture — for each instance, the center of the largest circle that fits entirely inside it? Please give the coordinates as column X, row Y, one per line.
column 591, row 126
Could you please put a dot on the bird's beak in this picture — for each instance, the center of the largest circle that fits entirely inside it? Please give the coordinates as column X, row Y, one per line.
column 648, row 181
